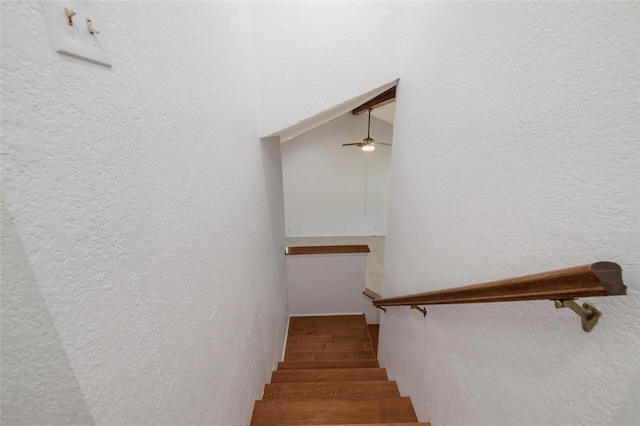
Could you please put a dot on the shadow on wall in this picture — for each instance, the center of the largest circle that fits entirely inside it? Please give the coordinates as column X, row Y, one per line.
column 38, row 385
column 272, row 169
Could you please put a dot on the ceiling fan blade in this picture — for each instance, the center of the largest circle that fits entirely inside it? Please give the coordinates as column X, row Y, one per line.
column 367, row 144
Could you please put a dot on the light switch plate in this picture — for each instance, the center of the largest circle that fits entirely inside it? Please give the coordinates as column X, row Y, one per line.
column 76, row 40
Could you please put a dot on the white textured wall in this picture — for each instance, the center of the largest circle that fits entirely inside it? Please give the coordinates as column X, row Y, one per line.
column 329, row 284
column 516, row 150
column 142, row 223
column 334, row 190
column 314, row 55
column 137, row 224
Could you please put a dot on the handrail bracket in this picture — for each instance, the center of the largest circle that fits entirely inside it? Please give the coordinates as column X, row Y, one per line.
column 382, row 308
column 418, row 308
column 589, row 314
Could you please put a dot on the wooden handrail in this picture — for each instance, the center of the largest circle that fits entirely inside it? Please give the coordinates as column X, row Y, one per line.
column 596, row 279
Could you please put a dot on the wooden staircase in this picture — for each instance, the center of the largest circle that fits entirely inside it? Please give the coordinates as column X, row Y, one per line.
column 330, row 376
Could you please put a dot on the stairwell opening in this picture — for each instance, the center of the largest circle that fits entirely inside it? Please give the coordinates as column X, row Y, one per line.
column 339, row 195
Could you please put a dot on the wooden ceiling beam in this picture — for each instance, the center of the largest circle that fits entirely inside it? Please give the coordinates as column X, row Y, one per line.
column 382, row 99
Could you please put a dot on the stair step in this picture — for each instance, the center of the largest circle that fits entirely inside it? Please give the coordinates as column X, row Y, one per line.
column 329, row 347
column 323, row 331
column 283, row 412
column 329, row 375
column 374, row 424
column 324, row 338
column 327, row 356
column 331, row 390
column 330, row 320
column 347, row 363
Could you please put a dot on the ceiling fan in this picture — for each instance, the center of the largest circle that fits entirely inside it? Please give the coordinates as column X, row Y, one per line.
column 367, row 144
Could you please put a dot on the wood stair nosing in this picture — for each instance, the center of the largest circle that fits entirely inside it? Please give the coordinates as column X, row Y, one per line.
column 329, row 375
column 334, row 331
column 329, row 320
column 373, row 424
column 328, row 346
column 347, row 363
column 328, row 356
column 331, row 390
column 326, row 411
column 323, row 338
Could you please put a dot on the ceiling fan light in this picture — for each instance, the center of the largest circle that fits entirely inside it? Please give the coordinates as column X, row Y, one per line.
column 368, row 148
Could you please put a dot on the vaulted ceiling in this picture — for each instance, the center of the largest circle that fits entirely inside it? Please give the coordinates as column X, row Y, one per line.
column 380, row 99
column 385, row 113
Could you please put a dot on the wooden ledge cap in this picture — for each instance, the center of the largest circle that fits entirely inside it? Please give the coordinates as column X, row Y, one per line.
column 327, row 249
column 371, row 294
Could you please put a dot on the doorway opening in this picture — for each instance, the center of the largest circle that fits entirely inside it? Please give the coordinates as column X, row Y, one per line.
column 339, row 195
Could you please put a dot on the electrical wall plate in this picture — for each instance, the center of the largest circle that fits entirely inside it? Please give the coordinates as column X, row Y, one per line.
column 76, row 29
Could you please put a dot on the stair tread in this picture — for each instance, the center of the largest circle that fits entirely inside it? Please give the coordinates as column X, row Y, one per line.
column 329, row 375
column 361, row 337
column 346, row 363
column 327, row 356
column 343, row 325
column 372, row 424
column 337, row 411
column 328, row 320
column 323, row 331
column 331, row 390
column 328, row 346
